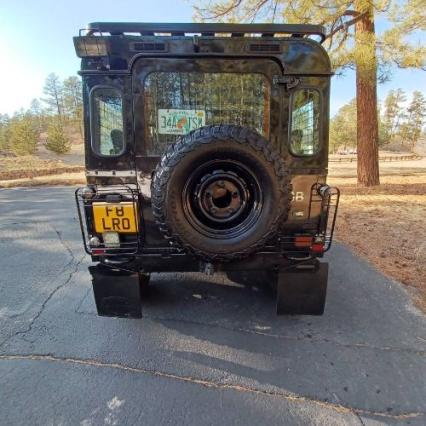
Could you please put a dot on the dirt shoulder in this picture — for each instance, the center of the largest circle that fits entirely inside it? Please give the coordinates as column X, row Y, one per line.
column 43, row 168
column 76, row 178
column 395, row 168
column 387, row 225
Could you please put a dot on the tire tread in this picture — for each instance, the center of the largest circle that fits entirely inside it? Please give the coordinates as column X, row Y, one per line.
column 190, row 142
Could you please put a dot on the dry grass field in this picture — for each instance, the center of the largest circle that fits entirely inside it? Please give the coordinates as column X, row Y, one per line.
column 44, row 168
column 28, row 167
column 387, row 224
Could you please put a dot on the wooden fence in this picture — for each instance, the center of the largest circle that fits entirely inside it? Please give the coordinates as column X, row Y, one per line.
column 384, row 158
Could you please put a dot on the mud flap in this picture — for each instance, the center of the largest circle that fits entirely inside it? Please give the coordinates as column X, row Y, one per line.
column 301, row 291
column 117, row 293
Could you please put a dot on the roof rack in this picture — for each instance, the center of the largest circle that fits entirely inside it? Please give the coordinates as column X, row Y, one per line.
column 205, row 29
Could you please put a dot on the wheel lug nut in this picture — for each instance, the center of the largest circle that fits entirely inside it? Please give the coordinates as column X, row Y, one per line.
column 208, row 194
column 221, row 183
column 230, row 210
column 213, row 210
column 235, row 194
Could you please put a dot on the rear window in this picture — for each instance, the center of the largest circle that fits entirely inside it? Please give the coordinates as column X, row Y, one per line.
column 305, row 122
column 179, row 102
column 107, row 121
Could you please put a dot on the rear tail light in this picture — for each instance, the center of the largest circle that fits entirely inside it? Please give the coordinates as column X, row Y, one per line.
column 317, row 247
column 303, row 241
column 98, row 251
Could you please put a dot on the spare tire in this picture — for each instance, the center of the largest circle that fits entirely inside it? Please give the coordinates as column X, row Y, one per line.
column 221, row 192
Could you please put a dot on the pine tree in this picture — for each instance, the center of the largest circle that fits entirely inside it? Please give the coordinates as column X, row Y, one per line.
column 23, row 134
column 416, row 114
column 352, row 43
column 343, row 127
column 53, row 89
column 4, row 132
column 36, row 112
column 57, row 140
column 394, row 113
column 73, row 101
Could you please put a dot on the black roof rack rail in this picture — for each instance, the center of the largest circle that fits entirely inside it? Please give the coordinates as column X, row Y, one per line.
column 236, row 30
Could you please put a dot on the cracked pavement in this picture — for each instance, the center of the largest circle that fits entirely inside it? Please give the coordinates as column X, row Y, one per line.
column 207, row 351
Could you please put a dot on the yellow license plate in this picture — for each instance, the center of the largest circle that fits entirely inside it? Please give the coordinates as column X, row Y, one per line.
column 120, row 217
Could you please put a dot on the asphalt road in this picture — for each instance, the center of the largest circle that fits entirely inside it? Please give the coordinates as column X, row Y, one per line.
column 206, row 352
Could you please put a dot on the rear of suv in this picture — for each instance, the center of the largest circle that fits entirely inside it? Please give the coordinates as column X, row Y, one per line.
column 206, row 149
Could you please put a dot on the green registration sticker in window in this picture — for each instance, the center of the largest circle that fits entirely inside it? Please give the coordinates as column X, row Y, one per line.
column 180, row 121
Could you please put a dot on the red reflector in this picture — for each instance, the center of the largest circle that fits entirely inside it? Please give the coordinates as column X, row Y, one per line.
column 317, row 248
column 303, row 241
column 98, row 251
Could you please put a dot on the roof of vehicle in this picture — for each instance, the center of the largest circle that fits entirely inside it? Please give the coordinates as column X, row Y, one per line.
column 205, row 29
column 115, row 46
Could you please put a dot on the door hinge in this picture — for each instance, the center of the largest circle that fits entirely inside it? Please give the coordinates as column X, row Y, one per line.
column 289, row 81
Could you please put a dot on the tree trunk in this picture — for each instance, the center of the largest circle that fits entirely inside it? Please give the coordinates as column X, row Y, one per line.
column 366, row 99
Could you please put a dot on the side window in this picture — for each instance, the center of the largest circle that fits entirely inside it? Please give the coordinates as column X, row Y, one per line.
column 305, row 122
column 107, row 121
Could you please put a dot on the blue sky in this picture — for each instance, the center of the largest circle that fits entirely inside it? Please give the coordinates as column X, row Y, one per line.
column 36, row 39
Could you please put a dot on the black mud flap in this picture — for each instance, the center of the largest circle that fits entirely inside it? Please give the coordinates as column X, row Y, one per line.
column 117, row 293
column 302, row 291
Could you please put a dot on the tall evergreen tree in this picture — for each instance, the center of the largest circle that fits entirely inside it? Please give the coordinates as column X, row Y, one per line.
column 4, row 132
column 343, row 127
column 416, row 115
column 53, row 89
column 73, row 100
column 36, row 111
column 394, row 113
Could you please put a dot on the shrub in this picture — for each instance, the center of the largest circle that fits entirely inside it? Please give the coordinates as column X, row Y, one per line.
column 23, row 135
column 57, row 140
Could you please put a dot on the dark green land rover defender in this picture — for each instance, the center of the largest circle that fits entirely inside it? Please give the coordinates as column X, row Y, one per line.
column 206, row 149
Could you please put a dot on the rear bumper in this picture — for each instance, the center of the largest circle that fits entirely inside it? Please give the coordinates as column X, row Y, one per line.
column 150, row 251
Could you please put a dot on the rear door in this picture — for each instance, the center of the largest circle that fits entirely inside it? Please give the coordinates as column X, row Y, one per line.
column 174, row 96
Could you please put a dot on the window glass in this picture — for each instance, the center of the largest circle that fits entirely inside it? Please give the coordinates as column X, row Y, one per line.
column 305, row 114
column 178, row 102
column 107, row 121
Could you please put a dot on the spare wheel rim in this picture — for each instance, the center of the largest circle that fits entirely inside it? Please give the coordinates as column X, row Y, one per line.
column 222, row 199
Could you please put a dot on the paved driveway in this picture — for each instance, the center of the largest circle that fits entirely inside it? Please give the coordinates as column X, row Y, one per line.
column 206, row 352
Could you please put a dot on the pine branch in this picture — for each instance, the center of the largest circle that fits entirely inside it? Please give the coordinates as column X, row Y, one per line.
column 345, row 26
column 222, row 13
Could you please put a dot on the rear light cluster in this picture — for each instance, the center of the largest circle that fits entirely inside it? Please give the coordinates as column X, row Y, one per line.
column 317, row 247
column 303, row 241
column 315, row 244
column 96, row 252
column 95, row 245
